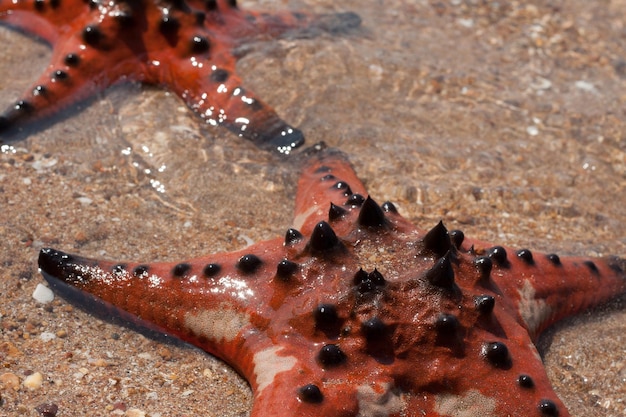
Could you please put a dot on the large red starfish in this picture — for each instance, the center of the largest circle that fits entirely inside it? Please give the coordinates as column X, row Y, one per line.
column 360, row 313
column 184, row 45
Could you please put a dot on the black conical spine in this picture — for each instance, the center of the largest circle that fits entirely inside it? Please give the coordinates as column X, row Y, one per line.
column 442, row 273
column 371, row 215
column 323, row 237
column 336, row 212
column 437, row 240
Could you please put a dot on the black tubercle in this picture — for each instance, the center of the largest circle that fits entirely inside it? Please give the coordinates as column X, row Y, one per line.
column 328, row 177
column 379, row 343
column 125, row 18
column 374, row 329
column 71, row 60
column 40, row 90
column 286, row 269
column 548, row 408
column 323, row 169
column 376, row 277
column 323, row 238
column 40, row 5
column 326, row 318
column 249, row 263
column 219, row 75
column 360, row 276
column 484, row 266
column 92, row 35
column 199, row 44
column 389, row 207
column 437, row 240
column 59, row 75
column 525, row 381
column 200, row 17
column 355, row 200
column 592, row 267
column 310, row 393
column 498, row 254
column 119, row 269
column 169, row 25
column 442, row 273
column 526, row 255
column 554, row 259
column 210, row 5
column 292, row 237
column 336, row 212
column 181, row 269
column 371, row 215
column 13, row 114
column 24, row 107
column 484, row 304
column 457, row 237
column 617, row 265
column 331, row 355
column 447, row 325
column 498, row 355
column 340, row 185
column 141, row 270
column 211, row 270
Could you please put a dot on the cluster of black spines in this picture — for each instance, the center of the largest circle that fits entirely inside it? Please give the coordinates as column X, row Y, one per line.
column 368, row 282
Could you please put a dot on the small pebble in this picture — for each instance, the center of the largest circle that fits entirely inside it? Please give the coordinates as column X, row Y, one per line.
column 10, row 380
column 135, row 412
column 47, row 336
column 33, row 381
column 47, row 409
column 43, row 294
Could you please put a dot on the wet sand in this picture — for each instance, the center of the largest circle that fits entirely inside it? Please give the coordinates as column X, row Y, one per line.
column 505, row 121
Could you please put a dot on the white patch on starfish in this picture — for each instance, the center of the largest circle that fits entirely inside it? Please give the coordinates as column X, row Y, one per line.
column 472, row 404
column 381, row 402
column 534, row 312
column 299, row 220
column 268, row 363
column 221, row 324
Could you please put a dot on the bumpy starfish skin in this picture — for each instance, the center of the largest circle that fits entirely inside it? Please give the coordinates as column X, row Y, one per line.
column 360, row 313
column 184, row 45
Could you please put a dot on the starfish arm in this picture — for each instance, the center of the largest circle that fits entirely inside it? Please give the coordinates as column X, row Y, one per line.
column 41, row 18
column 189, row 47
column 217, row 302
column 83, row 63
column 217, row 95
column 61, row 85
column 547, row 287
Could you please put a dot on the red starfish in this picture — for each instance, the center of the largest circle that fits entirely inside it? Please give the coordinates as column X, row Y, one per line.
column 184, row 45
column 360, row 313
